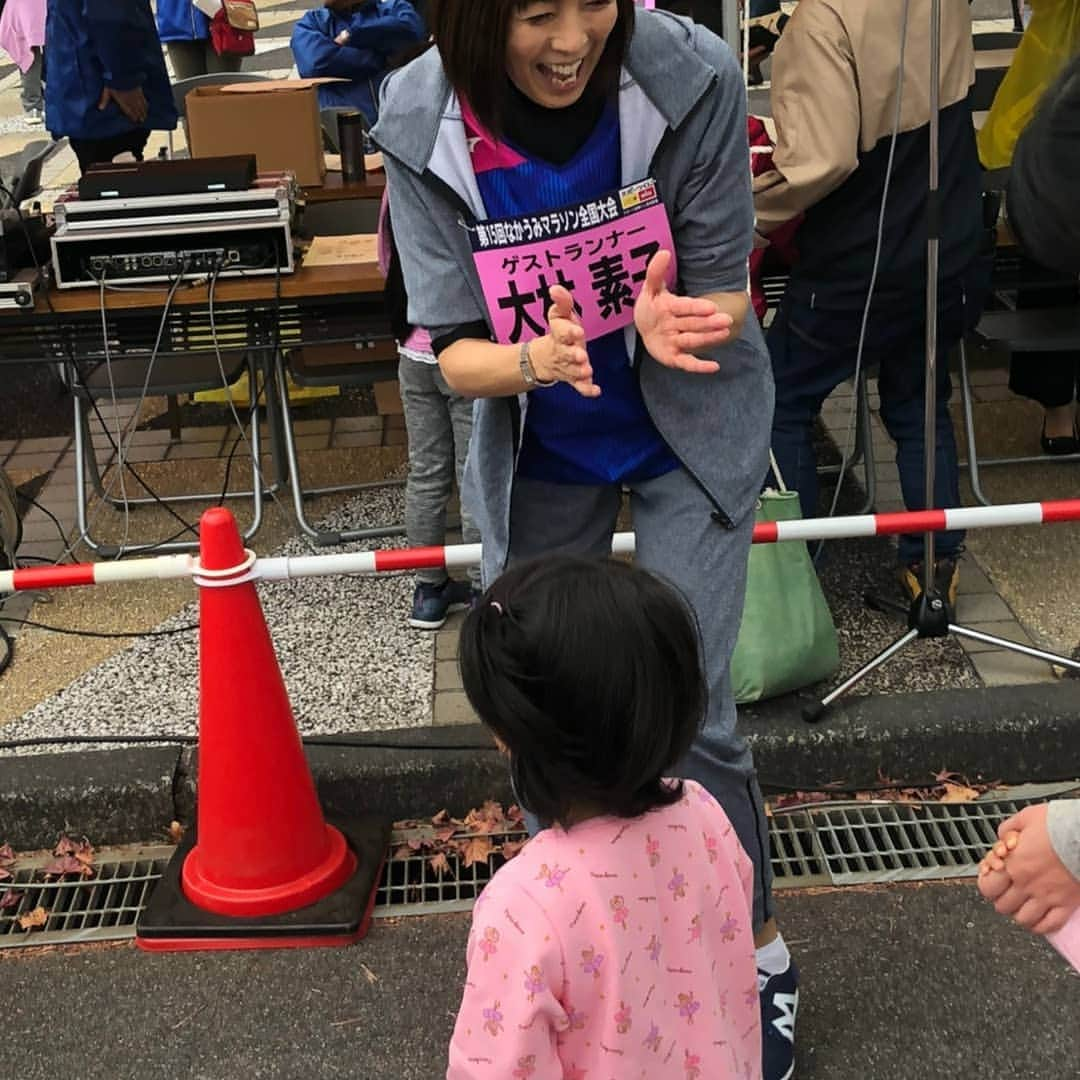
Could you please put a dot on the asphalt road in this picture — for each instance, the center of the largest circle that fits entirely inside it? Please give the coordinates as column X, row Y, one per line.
column 899, row 983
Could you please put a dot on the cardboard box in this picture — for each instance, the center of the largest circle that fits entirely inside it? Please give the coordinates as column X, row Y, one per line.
column 388, row 398
column 277, row 121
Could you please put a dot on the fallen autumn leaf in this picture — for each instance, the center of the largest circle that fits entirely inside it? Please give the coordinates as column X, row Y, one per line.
column 38, row 917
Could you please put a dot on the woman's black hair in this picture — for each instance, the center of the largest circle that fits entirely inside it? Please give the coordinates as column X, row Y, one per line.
column 472, row 35
column 589, row 670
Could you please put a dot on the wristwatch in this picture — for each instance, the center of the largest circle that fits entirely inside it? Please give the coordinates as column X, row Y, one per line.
column 528, row 372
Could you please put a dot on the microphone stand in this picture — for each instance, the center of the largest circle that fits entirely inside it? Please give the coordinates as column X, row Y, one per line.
column 931, row 614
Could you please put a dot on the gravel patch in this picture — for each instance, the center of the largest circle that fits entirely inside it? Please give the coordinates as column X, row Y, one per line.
column 349, row 659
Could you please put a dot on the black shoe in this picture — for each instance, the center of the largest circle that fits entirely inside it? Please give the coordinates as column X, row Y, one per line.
column 779, row 1004
column 1059, row 445
column 432, row 603
column 946, row 579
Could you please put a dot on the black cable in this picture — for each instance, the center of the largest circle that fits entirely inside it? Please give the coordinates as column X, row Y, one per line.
column 188, row 527
column 98, row 633
column 49, row 514
column 229, row 463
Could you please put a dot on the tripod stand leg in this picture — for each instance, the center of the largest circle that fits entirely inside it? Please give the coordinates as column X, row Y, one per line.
column 813, row 713
column 1016, row 647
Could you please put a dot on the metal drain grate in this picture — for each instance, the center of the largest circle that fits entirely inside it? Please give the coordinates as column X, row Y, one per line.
column 825, row 844
column 101, row 908
column 410, row 886
column 861, row 843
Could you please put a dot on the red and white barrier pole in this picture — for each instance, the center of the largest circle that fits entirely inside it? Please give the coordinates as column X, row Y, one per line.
column 167, row 567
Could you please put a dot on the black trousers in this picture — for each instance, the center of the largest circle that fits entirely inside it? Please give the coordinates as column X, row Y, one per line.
column 93, row 151
column 1050, row 378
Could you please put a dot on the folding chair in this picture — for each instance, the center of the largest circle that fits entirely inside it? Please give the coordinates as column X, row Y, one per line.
column 26, row 182
column 356, row 361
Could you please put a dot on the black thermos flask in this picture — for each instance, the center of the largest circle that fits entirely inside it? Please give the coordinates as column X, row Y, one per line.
column 351, row 127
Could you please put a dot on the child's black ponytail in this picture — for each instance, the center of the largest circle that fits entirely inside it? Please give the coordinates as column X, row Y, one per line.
column 589, row 672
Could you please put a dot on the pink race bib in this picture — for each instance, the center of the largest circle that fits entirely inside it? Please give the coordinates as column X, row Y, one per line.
column 598, row 250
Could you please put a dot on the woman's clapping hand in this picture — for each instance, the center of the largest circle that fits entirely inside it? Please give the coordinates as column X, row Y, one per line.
column 561, row 354
column 673, row 328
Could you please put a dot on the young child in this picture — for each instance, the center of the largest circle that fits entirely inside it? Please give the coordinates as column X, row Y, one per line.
column 438, row 424
column 618, row 943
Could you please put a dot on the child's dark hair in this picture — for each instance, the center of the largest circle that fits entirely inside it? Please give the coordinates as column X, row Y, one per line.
column 589, row 671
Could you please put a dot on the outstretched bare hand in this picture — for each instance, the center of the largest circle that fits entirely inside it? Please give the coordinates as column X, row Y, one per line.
column 673, row 328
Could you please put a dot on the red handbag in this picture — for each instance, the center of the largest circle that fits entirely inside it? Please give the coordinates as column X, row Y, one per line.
column 232, row 29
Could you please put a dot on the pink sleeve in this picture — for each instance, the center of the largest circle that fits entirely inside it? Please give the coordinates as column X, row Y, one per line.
column 509, row 1016
column 382, row 244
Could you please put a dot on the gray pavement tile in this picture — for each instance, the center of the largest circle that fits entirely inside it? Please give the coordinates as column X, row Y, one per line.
column 369, row 437
column 179, row 451
column 60, row 487
column 313, row 442
column 889, row 491
column 1010, row 630
column 311, row 427
column 358, row 423
column 974, row 579
column 7, row 446
column 40, row 462
column 45, row 549
column 42, row 531
column 151, row 437
column 446, row 644
column 1002, row 668
column 56, row 442
column 451, row 707
column 216, row 433
column 982, row 607
column 447, row 675
column 151, row 452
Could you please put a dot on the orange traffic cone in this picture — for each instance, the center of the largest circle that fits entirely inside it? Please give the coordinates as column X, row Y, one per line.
column 264, row 869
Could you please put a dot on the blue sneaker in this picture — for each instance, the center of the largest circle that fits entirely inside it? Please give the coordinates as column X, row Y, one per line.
column 779, row 1003
column 432, row 603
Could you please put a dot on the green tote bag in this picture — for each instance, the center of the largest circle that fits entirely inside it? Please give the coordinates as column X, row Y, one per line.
column 787, row 639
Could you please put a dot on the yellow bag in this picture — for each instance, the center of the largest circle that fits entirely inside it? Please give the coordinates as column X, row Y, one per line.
column 1051, row 39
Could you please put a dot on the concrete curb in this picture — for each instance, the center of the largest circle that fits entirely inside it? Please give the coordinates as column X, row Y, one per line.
column 1013, row 734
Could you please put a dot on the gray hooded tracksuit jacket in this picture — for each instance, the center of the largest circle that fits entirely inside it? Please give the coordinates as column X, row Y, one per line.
column 682, row 116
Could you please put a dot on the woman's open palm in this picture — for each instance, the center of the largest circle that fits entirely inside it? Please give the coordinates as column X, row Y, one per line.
column 673, row 328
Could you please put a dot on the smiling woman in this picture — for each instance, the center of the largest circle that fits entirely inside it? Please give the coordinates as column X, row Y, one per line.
column 569, row 182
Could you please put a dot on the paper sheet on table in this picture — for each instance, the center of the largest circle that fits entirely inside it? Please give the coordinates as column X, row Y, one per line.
column 342, row 250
